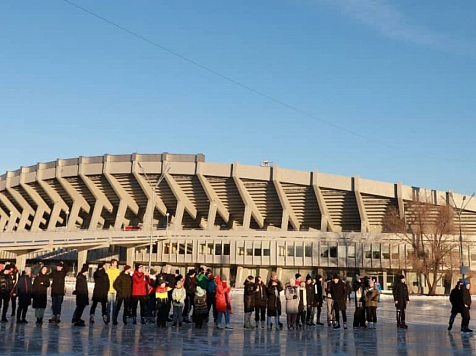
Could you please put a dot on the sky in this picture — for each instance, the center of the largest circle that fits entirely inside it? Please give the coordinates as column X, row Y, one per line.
column 380, row 89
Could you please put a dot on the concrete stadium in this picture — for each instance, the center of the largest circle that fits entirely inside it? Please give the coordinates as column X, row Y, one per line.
column 180, row 211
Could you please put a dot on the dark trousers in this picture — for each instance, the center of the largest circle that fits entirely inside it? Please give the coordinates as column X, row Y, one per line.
column 309, row 315
column 400, row 317
column 336, row 312
column 318, row 313
column 466, row 317
column 103, row 306
column 372, row 314
column 301, row 318
column 56, row 302
column 211, row 304
column 188, row 306
column 142, row 300
column 23, row 303
column 78, row 312
column 119, row 302
column 13, row 299
column 260, row 311
column 163, row 309
column 5, row 300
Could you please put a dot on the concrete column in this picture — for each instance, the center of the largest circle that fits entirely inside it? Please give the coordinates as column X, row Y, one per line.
column 21, row 262
column 82, row 258
column 130, row 256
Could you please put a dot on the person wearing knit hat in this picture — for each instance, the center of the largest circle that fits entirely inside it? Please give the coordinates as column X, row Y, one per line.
column 82, row 298
column 298, row 279
column 123, row 287
column 39, row 293
column 200, row 308
column 23, row 290
column 401, row 299
column 112, row 272
column 101, row 289
column 466, row 306
column 58, row 289
column 162, row 302
column 249, row 301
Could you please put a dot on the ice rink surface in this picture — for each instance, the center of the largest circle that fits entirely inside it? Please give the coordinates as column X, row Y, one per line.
column 427, row 334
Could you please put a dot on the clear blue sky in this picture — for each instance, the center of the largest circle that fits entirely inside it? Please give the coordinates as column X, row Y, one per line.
column 380, row 89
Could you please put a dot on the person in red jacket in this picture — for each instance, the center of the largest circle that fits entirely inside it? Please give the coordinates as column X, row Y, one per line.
column 140, row 285
column 222, row 301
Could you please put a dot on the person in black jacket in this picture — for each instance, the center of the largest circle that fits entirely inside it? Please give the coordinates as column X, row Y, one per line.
column 261, row 299
column 275, row 287
column 6, row 286
column 318, row 299
column 310, row 302
column 58, row 290
column 101, row 289
column 123, row 286
column 190, row 287
column 339, row 297
column 466, row 306
column 249, row 301
column 401, row 299
column 82, row 296
column 456, row 299
column 23, row 290
column 39, row 293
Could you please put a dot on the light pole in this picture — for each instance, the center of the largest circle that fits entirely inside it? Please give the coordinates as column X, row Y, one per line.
column 154, row 190
column 167, row 225
column 67, row 219
column 459, row 211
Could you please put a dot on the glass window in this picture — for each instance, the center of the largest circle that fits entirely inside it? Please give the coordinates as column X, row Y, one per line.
column 282, row 250
column 324, row 250
column 174, row 248
column 167, row 248
column 341, row 251
column 308, row 249
column 189, row 248
column 395, row 252
column 249, row 249
column 210, row 248
column 299, row 250
column 333, row 251
column 257, row 251
column 266, row 250
column 385, row 251
column 368, row 251
column 226, row 249
column 291, row 250
column 203, row 249
column 241, row 251
column 181, row 249
column 351, row 251
column 376, row 251
column 218, row 249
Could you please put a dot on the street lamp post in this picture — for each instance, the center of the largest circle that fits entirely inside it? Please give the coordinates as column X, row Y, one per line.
column 154, row 190
column 67, row 219
column 167, row 225
column 459, row 211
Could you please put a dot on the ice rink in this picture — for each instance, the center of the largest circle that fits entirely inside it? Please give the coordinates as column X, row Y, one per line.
column 427, row 334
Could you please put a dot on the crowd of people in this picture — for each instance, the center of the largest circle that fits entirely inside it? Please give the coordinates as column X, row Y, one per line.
column 165, row 297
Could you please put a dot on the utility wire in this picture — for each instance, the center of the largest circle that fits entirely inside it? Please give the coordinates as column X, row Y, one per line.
column 244, row 86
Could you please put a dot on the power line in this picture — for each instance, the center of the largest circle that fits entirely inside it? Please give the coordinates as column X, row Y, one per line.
column 247, row 87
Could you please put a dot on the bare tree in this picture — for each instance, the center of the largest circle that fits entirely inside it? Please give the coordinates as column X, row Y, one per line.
column 429, row 230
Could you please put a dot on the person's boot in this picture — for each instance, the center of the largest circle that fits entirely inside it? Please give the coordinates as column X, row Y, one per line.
column 142, row 321
column 262, row 325
column 91, row 319
column 134, row 320
column 53, row 319
column 124, row 319
column 58, row 318
column 105, row 319
column 114, row 320
column 41, row 320
column 450, row 326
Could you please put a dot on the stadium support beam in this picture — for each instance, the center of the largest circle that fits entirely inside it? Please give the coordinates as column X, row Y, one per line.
column 326, row 219
column 42, row 207
column 183, row 202
column 152, row 196
column 250, row 206
column 364, row 221
column 14, row 214
column 27, row 210
column 3, row 219
column 125, row 199
column 78, row 200
column 215, row 202
column 288, row 211
column 401, row 204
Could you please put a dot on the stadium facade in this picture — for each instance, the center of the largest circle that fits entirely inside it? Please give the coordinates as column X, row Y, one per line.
column 234, row 218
